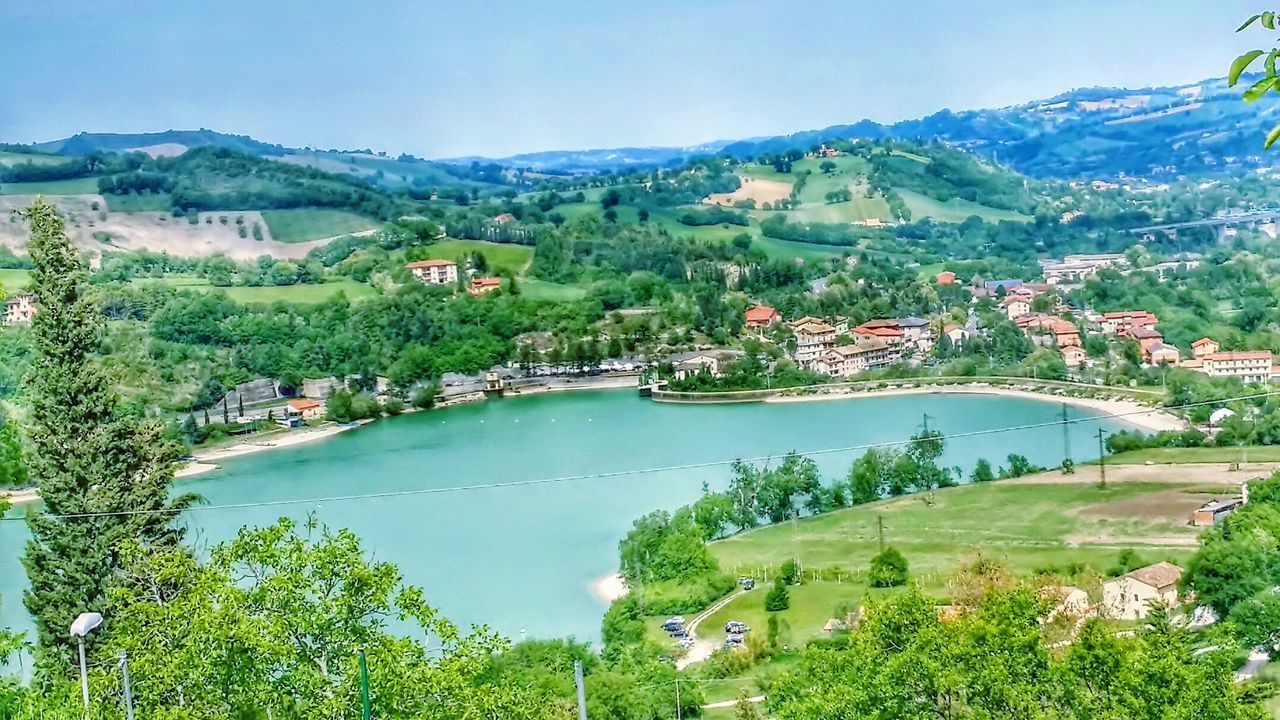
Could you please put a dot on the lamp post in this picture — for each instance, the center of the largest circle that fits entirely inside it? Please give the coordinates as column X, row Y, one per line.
column 84, row 624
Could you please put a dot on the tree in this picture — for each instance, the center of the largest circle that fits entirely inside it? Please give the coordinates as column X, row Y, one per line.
column 888, row 569
column 13, row 463
column 982, row 471
column 1257, row 619
column 827, row 166
column 1270, row 81
column 779, row 598
column 103, row 475
column 790, row 572
column 272, row 624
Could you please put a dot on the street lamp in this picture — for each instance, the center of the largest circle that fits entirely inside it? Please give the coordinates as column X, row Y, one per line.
column 82, row 626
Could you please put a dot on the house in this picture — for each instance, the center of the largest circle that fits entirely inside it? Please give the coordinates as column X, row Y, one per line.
column 1251, row 367
column 19, row 309
column 1073, row 356
column 1159, row 353
column 713, row 362
column 1123, row 322
column 871, row 330
column 1214, row 511
column 300, row 410
column 991, row 286
column 761, row 316
column 812, row 339
column 916, row 332
column 484, row 286
column 1057, row 331
column 1204, row 346
column 955, row 333
column 946, row 277
column 504, row 218
column 434, row 272
column 1129, row 596
column 827, row 152
column 1015, row 307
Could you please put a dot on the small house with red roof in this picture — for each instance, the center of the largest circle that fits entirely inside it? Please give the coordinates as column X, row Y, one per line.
column 946, row 277
column 761, row 316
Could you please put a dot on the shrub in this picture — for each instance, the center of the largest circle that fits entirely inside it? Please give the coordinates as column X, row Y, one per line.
column 779, row 598
column 888, row 569
column 790, row 572
column 684, row 596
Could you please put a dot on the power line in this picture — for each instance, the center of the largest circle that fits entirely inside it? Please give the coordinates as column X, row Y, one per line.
column 640, row 471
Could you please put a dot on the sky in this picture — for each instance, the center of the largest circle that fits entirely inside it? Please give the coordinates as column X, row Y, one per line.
column 442, row 78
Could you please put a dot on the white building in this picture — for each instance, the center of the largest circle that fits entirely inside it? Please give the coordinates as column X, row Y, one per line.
column 812, row 339
column 849, row 360
column 434, row 272
column 1129, row 596
column 1249, row 366
column 19, row 309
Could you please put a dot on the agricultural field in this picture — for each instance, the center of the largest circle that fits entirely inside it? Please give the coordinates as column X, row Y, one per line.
column 1045, row 524
column 151, row 202
column 1251, row 454
column 77, row 186
column 956, row 210
column 790, row 250
column 504, row 258
column 305, row 224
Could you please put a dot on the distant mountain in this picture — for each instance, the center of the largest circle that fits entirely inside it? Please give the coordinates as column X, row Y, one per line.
column 377, row 169
column 1090, row 132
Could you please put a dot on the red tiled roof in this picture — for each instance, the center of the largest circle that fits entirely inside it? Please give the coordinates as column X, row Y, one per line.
column 1159, row 576
column 881, row 331
column 303, row 404
column 478, row 283
column 1239, row 355
column 760, row 314
column 1204, row 341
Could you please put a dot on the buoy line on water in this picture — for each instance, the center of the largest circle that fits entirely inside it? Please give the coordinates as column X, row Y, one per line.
column 646, row 471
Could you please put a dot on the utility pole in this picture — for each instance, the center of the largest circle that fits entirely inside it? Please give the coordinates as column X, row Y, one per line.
column 1102, row 460
column 926, row 423
column 364, row 686
column 678, row 714
column 128, row 692
column 582, row 692
column 1066, row 436
column 880, row 523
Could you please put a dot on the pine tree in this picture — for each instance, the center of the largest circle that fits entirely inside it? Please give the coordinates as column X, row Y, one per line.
column 89, row 459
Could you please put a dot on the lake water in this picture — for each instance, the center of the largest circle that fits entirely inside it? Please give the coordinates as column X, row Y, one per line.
column 526, row 556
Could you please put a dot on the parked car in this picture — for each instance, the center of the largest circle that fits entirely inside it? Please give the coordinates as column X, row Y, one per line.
column 746, row 583
column 679, row 634
column 733, row 641
column 685, row 642
column 735, row 627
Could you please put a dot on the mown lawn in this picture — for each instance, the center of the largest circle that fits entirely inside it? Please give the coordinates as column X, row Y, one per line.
column 303, row 224
column 13, row 280
column 954, row 211
column 77, row 186
column 503, row 258
column 543, row 290
column 809, row 252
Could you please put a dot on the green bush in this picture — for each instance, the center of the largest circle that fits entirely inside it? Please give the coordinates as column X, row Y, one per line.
column 779, row 598
column 888, row 569
column 685, row 596
column 790, row 572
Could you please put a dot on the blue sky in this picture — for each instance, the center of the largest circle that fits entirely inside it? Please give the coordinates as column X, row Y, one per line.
column 443, row 78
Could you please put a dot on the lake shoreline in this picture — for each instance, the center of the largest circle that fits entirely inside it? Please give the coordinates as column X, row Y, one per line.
column 1151, row 419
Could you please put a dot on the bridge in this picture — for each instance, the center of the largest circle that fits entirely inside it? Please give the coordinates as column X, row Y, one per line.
column 1220, row 223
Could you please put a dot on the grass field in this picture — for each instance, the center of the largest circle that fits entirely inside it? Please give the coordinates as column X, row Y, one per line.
column 910, row 156
column 1027, row 527
column 956, row 210
column 13, row 280
column 78, row 186
column 505, row 258
column 303, row 224
column 543, row 290
column 305, row 294
column 13, row 158
column 809, row 252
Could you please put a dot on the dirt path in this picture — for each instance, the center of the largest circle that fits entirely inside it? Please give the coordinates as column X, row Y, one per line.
column 703, row 648
column 1199, row 473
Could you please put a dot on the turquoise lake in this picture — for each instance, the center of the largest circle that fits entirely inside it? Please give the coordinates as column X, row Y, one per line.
column 526, row 556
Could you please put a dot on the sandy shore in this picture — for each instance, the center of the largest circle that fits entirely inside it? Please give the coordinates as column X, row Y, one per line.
column 279, row 441
column 206, row 461
column 610, row 588
column 1146, row 417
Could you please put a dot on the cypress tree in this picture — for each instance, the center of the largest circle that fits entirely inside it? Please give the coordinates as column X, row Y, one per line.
column 88, row 458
